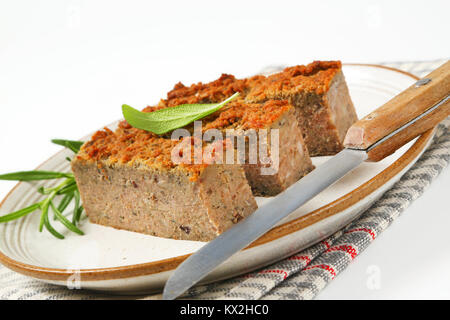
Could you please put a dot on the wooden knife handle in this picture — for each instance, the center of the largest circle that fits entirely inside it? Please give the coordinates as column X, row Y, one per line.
column 386, row 129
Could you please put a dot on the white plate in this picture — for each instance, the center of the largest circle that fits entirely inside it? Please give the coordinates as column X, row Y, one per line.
column 121, row 261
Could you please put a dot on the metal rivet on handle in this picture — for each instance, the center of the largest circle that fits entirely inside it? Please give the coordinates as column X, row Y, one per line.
column 422, row 82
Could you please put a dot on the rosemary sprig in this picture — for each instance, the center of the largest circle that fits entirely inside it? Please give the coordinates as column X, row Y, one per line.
column 67, row 189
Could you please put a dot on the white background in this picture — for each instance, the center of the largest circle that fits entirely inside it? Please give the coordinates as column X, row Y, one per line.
column 66, row 67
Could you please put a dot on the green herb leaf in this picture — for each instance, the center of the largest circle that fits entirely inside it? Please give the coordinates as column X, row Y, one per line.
column 34, row 175
column 45, row 204
column 44, row 212
column 67, row 188
column 49, row 227
column 65, row 202
column 76, row 210
column 165, row 120
column 71, row 144
column 44, row 191
column 19, row 213
column 78, row 213
column 70, row 187
column 65, row 221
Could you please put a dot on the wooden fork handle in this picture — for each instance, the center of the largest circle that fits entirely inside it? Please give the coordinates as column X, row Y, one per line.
column 412, row 112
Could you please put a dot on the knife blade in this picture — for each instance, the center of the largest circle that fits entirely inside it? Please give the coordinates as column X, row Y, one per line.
column 263, row 219
column 412, row 112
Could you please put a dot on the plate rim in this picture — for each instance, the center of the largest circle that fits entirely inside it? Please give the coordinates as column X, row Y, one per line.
column 154, row 267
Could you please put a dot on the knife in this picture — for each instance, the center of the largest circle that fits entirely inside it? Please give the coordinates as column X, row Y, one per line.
column 412, row 112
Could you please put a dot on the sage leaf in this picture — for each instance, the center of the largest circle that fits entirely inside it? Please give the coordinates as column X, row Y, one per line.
column 168, row 119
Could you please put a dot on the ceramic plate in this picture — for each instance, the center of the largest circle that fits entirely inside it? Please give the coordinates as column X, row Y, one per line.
column 125, row 262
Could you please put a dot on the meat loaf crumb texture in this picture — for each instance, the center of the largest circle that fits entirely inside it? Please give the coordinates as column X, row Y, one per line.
column 164, row 203
column 287, row 158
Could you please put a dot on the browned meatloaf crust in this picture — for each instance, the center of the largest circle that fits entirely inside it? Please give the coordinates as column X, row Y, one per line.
column 318, row 92
column 321, row 98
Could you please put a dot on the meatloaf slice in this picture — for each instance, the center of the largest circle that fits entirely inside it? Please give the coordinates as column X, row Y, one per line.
column 127, row 180
column 321, row 98
column 276, row 164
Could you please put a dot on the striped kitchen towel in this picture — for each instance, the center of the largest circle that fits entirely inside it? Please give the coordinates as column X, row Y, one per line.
column 306, row 273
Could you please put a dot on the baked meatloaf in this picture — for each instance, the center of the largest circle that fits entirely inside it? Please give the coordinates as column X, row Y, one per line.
column 127, row 180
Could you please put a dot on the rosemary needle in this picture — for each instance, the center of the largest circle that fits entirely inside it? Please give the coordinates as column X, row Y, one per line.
column 49, row 227
column 67, row 189
column 20, row 213
column 65, row 221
